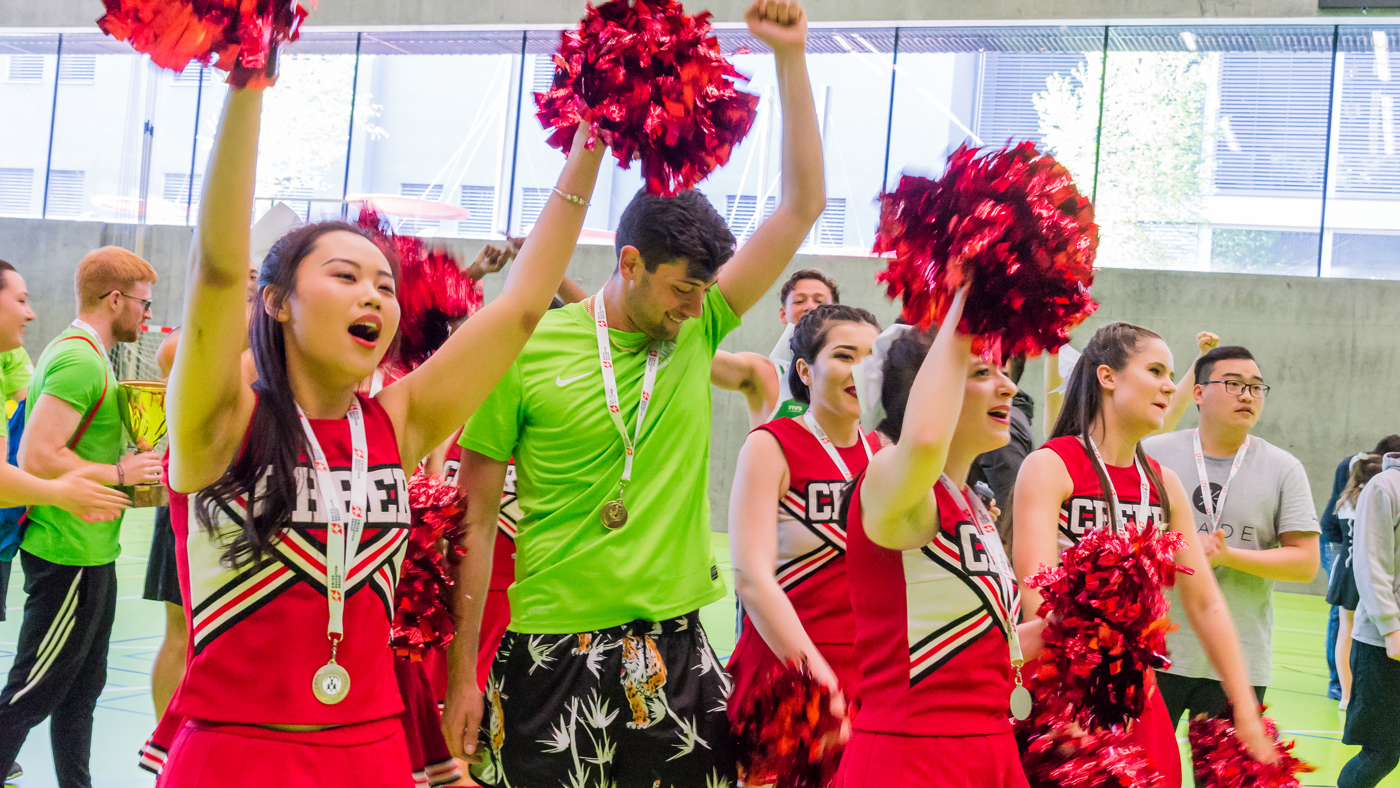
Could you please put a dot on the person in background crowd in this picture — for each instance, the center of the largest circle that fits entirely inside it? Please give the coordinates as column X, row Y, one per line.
column 70, row 579
column 1341, row 590
column 1257, row 527
column 764, row 381
column 1375, row 656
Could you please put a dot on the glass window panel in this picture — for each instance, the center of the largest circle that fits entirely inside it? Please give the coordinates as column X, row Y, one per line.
column 28, row 63
column 1214, row 147
column 1362, row 233
column 120, row 127
column 434, row 123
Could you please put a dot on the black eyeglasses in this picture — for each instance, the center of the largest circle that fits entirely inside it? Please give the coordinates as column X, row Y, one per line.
column 145, row 302
column 1234, row 387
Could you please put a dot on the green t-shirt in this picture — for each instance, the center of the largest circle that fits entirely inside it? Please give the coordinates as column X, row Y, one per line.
column 15, row 373
column 789, row 409
column 73, row 371
column 571, row 573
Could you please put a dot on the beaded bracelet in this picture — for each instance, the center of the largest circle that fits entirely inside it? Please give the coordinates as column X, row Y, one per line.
column 573, row 198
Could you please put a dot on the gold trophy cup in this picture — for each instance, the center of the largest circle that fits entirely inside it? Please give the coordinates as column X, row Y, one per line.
column 142, row 407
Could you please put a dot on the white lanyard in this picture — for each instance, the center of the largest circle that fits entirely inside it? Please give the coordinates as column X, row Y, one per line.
column 82, row 326
column 1213, row 514
column 831, row 451
column 600, row 319
column 342, row 533
column 1143, row 504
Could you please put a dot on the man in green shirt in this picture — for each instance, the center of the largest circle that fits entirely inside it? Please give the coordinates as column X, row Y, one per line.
column 69, row 565
column 605, row 675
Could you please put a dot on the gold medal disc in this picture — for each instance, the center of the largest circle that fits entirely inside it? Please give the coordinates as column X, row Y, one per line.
column 613, row 515
column 1021, row 702
column 331, row 683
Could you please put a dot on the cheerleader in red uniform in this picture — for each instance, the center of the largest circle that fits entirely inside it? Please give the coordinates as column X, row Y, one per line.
column 935, row 600
column 786, row 532
column 291, row 493
column 1094, row 469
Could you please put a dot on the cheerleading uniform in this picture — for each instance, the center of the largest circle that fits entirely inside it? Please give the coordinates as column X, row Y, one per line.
column 244, row 620
column 932, row 626
column 811, row 565
column 1085, row 510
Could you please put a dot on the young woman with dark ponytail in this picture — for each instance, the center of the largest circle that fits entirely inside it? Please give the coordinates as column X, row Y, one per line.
column 786, row 533
column 291, row 494
column 1093, row 470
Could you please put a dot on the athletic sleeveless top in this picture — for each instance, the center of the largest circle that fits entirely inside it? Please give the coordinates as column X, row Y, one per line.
column 503, row 555
column 1087, row 506
column 931, row 624
column 258, row 634
column 811, row 565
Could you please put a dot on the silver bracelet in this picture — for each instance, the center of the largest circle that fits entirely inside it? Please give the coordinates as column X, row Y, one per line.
column 573, row 198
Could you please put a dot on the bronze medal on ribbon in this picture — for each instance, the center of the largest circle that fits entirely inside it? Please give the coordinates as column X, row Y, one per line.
column 613, row 514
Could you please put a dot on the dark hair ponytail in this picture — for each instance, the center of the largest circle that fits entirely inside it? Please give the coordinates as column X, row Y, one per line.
column 1112, row 346
column 809, row 337
column 275, row 443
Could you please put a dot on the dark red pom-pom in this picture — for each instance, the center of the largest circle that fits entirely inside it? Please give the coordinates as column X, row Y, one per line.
column 1222, row 761
column 238, row 35
column 1010, row 222
column 1052, row 757
column 787, row 734
column 650, row 82
column 434, row 291
column 423, row 598
column 1107, row 624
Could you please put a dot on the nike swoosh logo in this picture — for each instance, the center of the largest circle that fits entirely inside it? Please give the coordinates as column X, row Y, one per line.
column 561, row 382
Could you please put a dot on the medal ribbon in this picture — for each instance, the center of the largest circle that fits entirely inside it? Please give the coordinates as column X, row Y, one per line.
column 83, row 326
column 1212, row 514
column 831, row 452
column 600, row 320
column 342, row 532
column 1144, row 505
column 996, row 555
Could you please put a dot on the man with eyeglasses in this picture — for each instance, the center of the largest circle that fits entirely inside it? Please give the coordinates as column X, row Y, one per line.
column 1257, row 526
column 70, row 578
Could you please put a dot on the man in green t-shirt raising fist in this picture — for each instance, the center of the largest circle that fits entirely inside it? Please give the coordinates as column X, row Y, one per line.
column 605, row 676
column 69, row 565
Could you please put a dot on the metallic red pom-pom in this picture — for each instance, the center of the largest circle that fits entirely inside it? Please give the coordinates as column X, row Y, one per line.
column 1221, row 760
column 650, row 82
column 786, row 733
column 1107, row 624
column 423, row 598
column 434, row 291
column 1010, row 222
column 236, row 34
column 1052, row 757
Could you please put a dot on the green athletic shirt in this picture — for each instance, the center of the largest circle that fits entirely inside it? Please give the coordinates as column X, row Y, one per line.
column 571, row 573
column 73, row 371
column 790, row 409
column 15, row 373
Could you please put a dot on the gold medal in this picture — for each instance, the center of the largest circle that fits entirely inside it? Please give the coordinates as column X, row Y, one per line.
column 1021, row 701
column 331, row 683
column 613, row 515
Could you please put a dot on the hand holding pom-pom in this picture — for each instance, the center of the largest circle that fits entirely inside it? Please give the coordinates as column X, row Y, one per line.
column 1010, row 222
column 791, row 730
column 1222, row 759
column 651, row 82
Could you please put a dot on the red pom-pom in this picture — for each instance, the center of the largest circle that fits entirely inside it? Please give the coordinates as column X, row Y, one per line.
column 1221, row 760
column 434, row 291
column 1107, row 624
column 1010, row 222
column 650, row 82
column 240, row 35
column 786, row 733
column 1052, row 757
column 423, row 598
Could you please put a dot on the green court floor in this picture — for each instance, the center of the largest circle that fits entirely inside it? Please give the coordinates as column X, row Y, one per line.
column 1298, row 697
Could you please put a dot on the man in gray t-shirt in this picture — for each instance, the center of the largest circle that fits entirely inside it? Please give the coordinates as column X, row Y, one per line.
column 1267, row 530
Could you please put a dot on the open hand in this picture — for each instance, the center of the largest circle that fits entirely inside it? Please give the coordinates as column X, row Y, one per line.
column 781, row 24
column 489, row 260
column 461, row 719
column 89, row 500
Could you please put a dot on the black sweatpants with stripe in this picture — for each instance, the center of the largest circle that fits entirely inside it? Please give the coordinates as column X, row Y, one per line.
column 61, row 663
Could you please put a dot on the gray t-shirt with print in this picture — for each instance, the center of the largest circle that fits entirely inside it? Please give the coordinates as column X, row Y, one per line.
column 1269, row 496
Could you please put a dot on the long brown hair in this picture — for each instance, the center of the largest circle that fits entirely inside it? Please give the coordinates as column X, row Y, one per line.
column 1363, row 470
column 264, row 470
column 1113, row 346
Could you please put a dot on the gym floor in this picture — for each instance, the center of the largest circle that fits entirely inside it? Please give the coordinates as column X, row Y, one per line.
column 1298, row 697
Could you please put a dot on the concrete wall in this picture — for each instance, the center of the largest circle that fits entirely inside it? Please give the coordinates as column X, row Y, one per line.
column 1327, row 346
column 81, row 13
